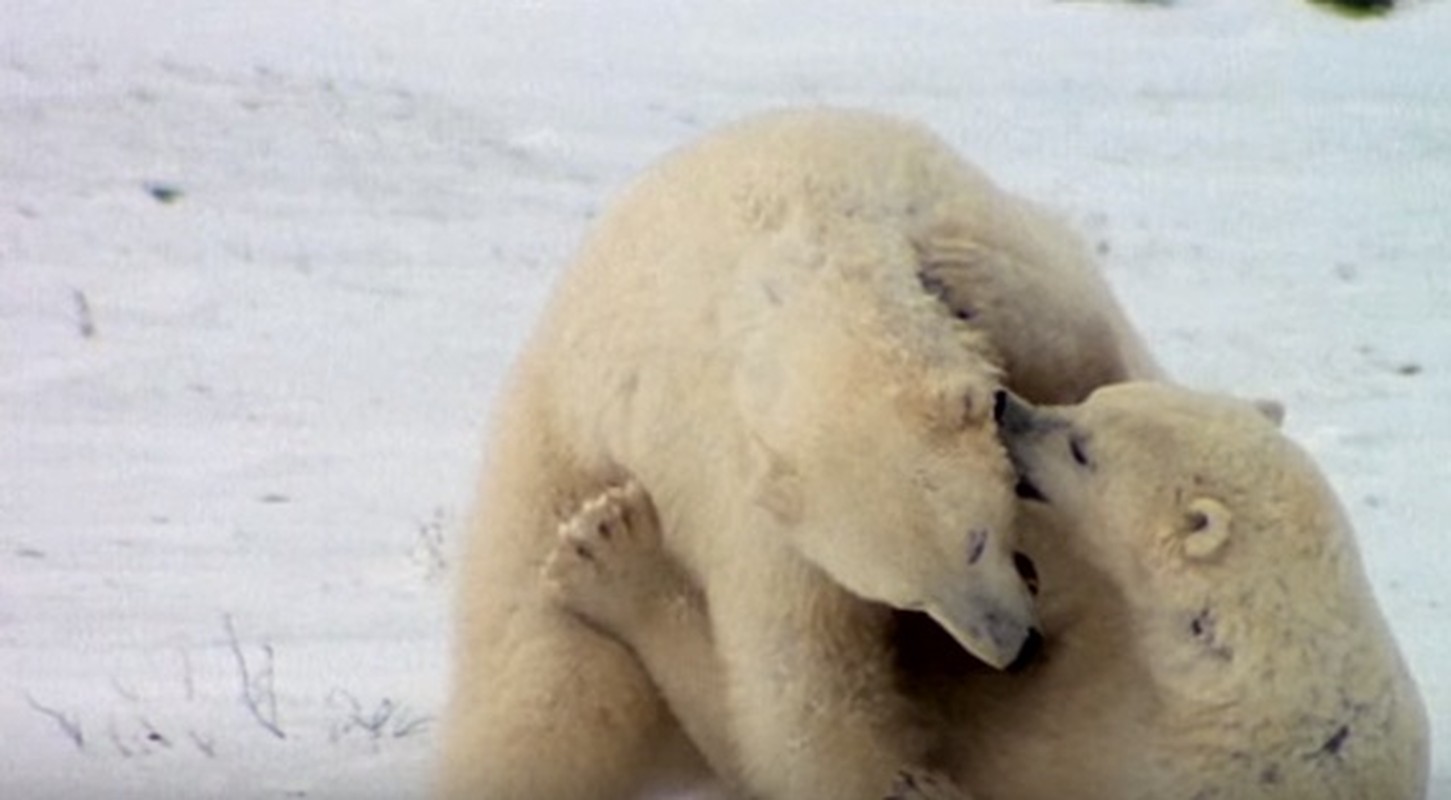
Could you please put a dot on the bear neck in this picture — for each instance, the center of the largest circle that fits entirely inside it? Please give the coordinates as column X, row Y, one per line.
column 1280, row 667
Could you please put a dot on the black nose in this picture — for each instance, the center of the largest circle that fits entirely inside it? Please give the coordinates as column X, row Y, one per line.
column 1013, row 415
column 1032, row 648
column 1000, row 405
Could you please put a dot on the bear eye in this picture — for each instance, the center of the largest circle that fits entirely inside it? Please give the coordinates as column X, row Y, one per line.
column 1079, row 451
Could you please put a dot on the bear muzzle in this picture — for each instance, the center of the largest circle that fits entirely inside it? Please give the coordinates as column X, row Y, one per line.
column 1019, row 424
column 999, row 634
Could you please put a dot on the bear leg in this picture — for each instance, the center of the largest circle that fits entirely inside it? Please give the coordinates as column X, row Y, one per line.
column 561, row 713
column 610, row 568
column 811, row 688
column 543, row 707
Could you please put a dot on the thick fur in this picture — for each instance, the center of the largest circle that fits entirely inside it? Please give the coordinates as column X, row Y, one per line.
column 1219, row 636
column 782, row 332
column 1211, row 631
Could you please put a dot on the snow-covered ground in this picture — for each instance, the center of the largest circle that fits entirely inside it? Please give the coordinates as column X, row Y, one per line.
column 263, row 264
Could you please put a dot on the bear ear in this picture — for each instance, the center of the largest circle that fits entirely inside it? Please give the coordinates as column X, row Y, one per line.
column 1204, row 528
column 778, row 485
column 1273, row 410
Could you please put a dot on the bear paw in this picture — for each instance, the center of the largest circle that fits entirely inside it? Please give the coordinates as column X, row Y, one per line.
column 608, row 567
column 918, row 785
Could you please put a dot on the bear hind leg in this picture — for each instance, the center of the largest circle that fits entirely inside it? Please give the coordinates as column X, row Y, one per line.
column 563, row 714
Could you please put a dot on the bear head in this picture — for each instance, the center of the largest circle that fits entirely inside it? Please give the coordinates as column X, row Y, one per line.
column 876, row 452
column 1214, row 526
column 1159, row 480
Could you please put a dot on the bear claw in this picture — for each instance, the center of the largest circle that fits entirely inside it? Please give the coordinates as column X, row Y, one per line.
column 607, row 567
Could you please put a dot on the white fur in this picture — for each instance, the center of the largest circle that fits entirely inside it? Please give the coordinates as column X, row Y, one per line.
column 1212, row 633
column 747, row 333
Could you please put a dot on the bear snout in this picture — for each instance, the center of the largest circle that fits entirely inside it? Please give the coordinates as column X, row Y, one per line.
column 1000, row 406
column 1012, row 414
column 1017, row 418
column 1019, row 423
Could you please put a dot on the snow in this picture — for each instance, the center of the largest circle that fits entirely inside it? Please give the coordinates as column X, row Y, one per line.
column 262, row 266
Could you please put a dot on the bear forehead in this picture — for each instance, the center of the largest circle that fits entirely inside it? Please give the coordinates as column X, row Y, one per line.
column 1193, row 442
column 1153, row 400
column 916, row 346
column 1197, row 454
column 1159, row 417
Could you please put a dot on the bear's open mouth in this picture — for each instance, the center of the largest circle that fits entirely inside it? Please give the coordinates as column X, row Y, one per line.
column 1028, row 490
column 1027, row 570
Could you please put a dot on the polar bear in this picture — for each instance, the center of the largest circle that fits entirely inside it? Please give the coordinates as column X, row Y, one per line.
column 1242, row 652
column 784, row 331
column 1211, row 631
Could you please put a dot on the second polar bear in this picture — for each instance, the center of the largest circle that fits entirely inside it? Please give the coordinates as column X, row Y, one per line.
column 789, row 332
column 1237, row 649
column 1211, row 631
